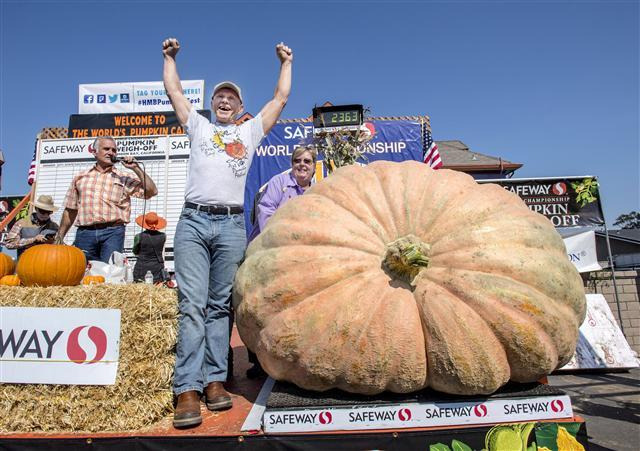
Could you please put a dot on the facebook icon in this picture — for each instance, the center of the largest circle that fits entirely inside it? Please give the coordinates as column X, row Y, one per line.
column 88, row 98
column 102, row 98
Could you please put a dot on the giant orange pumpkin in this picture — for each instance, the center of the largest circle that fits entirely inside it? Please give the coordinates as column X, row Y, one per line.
column 7, row 265
column 397, row 277
column 51, row 264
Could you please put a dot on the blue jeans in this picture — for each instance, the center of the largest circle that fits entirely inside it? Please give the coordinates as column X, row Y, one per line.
column 99, row 244
column 208, row 249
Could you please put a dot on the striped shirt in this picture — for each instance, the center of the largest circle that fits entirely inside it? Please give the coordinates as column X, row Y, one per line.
column 102, row 197
column 24, row 232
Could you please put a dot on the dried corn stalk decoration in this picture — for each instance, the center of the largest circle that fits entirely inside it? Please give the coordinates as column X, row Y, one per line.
column 343, row 147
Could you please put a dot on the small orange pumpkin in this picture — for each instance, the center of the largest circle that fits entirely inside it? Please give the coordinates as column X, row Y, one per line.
column 11, row 280
column 7, row 265
column 48, row 265
column 92, row 280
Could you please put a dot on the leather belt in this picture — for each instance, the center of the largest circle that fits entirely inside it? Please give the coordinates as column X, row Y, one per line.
column 216, row 209
column 101, row 225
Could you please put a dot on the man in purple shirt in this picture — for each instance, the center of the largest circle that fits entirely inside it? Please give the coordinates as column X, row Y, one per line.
column 285, row 186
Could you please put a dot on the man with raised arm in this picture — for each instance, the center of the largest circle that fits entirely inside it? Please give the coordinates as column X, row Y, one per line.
column 210, row 236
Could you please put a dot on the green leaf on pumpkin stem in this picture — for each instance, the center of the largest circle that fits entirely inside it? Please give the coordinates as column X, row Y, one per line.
column 457, row 445
column 439, row 447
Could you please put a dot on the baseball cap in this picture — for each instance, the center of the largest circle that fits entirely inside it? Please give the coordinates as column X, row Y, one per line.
column 231, row 85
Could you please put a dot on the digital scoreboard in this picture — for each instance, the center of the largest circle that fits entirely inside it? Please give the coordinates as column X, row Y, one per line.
column 328, row 119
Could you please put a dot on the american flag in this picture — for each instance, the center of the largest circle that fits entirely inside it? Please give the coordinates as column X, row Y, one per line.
column 431, row 154
column 32, row 169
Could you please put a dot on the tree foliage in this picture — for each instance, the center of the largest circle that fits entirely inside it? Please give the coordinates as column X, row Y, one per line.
column 628, row 221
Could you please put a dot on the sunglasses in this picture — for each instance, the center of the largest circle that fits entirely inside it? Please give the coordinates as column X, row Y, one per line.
column 305, row 160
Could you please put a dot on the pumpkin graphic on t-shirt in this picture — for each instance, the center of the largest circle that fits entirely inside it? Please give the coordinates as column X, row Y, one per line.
column 235, row 149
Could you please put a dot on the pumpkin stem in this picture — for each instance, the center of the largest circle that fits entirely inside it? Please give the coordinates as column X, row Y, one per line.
column 406, row 257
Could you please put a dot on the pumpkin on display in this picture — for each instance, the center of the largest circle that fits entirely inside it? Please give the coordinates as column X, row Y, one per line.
column 92, row 280
column 397, row 277
column 48, row 265
column 11, row 280
column 7, row 265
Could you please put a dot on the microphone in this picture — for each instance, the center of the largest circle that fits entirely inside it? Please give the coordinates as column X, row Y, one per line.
column 114, row 159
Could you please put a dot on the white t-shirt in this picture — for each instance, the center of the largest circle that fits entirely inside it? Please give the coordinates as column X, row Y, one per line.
column 220, row 158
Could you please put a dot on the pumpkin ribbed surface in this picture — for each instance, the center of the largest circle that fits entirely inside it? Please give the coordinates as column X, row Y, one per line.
column 396, row 277
column 7, row 265
column 11, row 280
column 92, row 280
column 48, row 265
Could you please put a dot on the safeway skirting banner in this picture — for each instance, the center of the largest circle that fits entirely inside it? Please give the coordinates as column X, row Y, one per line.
column 59, row 345
column 566, row 202
column 134, row 97
column 417, row 415
column 126, row 124
column 581, row 250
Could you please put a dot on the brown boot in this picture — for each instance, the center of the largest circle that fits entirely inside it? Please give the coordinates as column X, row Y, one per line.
column 216, row 397
column 187, row 413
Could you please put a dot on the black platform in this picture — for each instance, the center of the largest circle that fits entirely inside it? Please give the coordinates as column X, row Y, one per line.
column 285, row 395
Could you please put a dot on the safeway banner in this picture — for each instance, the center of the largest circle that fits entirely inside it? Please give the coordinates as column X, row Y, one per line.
column 134, row 97
column 59, row 345
column 392, row 140
column 566, row 202
column 417, row 415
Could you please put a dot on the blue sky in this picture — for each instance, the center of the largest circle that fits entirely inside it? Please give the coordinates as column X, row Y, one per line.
column 550, row 84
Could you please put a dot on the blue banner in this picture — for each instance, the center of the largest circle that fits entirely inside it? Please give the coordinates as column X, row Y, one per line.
column 396, row 140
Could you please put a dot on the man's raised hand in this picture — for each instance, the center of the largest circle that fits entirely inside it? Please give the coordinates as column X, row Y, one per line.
column 170, row 47
column 284, row 53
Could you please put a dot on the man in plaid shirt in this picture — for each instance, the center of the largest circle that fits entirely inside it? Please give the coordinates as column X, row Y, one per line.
column 99, row 201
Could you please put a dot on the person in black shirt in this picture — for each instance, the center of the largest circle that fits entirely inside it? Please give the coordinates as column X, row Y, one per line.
column 148, row 245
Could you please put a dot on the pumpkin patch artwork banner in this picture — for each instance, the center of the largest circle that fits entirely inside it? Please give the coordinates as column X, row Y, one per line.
column 393, row 276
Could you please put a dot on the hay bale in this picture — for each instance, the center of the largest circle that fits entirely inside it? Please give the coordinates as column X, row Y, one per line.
column 142, row 394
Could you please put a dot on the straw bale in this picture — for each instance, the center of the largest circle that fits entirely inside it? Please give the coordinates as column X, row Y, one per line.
column 142, row 393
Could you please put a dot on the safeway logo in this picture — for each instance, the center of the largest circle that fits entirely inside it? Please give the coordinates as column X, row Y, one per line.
column 557, row 405
column 93, row 334
column 325, row 418
column 480, row 410
column 404, row 414
column 559, row 189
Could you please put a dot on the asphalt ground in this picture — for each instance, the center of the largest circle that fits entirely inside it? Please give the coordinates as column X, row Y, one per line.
column 609, row 403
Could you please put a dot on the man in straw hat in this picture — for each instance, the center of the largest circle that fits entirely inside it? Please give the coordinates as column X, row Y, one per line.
column 210, row 236
column 37, row 228
column 148, row 246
